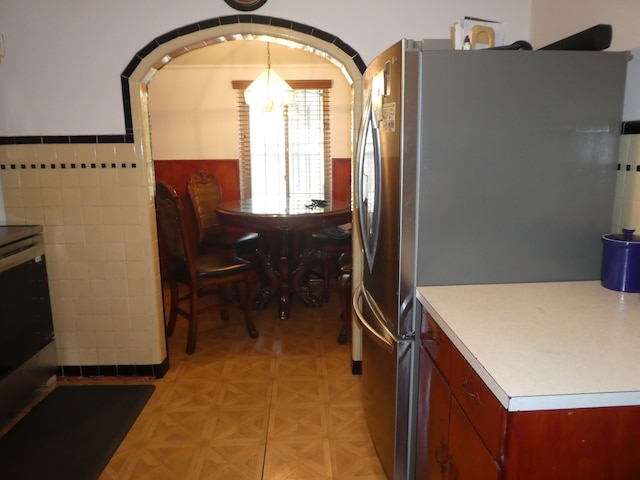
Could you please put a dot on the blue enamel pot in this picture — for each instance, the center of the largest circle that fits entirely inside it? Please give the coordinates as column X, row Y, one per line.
column 621, row 261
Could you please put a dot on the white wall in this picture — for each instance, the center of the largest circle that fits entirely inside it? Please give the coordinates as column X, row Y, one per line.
column 552, row 20
column 61, row 71
column 194, row 112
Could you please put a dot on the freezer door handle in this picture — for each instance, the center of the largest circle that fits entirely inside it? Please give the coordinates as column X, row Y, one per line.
column 385, row 337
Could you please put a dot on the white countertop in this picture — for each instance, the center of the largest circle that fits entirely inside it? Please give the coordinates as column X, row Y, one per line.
column 541, row 346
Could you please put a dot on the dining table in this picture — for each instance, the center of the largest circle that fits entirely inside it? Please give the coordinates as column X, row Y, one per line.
column 284, row 225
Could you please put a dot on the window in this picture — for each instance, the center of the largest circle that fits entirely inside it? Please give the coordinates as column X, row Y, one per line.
column 287, row 152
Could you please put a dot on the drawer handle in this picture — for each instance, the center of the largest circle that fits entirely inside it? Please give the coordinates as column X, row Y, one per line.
column 441, row 458
column 470, row 395
column 432, row 337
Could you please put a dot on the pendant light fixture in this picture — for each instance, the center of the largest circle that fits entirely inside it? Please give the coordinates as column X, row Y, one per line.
column 269, row 91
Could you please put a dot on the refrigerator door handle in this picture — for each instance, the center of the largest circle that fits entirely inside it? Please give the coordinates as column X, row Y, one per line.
column 385, row 337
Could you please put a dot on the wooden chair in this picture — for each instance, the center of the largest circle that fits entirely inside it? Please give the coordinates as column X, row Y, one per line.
column 201, row 274
column 206, row 196
column 330, row 244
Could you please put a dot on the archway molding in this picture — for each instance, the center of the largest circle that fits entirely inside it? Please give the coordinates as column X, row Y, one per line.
column 156, row 54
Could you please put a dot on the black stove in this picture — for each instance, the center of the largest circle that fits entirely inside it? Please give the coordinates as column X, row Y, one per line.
column 13, row 233
column 28, row 355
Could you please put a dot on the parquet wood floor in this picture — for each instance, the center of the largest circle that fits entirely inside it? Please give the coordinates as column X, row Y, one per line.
column 284, row 406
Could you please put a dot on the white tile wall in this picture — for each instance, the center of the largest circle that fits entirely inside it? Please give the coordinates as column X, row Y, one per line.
column 101, row 243
column 626, row 212
column 101, row 247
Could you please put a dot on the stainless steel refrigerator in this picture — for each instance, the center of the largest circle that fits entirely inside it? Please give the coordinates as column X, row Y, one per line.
column 473, row 167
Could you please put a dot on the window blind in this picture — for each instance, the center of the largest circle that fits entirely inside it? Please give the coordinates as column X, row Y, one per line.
column 290, row 150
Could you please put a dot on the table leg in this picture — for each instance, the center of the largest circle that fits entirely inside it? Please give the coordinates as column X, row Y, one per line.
column 299, row 273
column 269, row 274
column 284, row 275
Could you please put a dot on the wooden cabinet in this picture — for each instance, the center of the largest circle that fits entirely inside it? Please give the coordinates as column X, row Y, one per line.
column 449, row 447
column 464, row 432
column 433, row 435
column 468, row 456
column 478, row 404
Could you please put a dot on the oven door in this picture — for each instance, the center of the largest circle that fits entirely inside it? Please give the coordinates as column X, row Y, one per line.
column 28, row 356
column 26, row 324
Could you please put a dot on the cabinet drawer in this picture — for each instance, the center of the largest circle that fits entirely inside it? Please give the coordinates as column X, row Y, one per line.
column 483, row 409
column 469, row 458
column 436, row 343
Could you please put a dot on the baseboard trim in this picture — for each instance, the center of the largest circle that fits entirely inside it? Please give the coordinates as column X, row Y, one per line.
column 157, row 371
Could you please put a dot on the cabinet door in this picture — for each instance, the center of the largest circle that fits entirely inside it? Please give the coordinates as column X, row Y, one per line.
column 469, row 459
column 433, row 421
column 592, row 443
column 483, row 409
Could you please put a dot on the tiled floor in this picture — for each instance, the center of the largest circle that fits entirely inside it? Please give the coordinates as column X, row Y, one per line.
column 284, row 406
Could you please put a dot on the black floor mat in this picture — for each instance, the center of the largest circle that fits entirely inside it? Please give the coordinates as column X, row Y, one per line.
column 72, row 433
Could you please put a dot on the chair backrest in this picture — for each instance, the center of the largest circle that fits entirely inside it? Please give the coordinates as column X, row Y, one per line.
column 170, row 218
column 206, row 196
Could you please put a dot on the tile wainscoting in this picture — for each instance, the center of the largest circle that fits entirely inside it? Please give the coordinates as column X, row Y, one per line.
column 95, row 202
column 626, row 212
column 99, row 219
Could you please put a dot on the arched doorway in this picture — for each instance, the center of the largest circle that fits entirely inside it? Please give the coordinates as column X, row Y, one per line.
column 159, row 52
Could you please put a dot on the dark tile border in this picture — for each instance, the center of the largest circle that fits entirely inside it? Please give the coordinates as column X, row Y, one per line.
column 218, row 21
column 631, row 127
column 72, row 371
column 627, row 167
column 628, row 128
column 70, row 166
column 65, row 139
